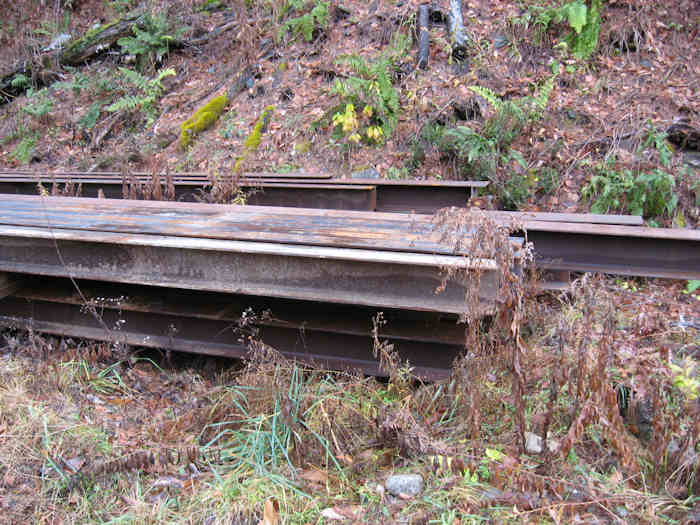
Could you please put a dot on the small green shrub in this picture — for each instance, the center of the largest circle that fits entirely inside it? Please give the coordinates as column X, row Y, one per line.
column 24, row 151
column 141, row 94
column 20, row 81
column 647, row 194
column 39, row 103
column 89, row 119
column 305, row 24
column 582, row 19
column 151, row 40
column 372, row 89
column 487, row 154
column 203, row 119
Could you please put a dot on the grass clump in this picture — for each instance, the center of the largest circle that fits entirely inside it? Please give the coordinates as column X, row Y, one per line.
column 202, row 119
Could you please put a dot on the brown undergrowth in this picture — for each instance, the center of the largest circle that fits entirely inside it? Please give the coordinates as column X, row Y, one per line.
column 87, row 435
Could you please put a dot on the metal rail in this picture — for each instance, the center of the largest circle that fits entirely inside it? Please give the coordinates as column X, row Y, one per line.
column 188, row 270
column 382, row 260
column 335, row 336
column 265, row 189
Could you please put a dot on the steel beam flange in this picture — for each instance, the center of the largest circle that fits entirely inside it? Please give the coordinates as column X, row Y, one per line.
column 337, row 275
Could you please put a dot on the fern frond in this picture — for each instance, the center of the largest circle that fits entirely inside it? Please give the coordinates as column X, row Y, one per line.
column 126, row 103
column 542, row 96
column 488, row 95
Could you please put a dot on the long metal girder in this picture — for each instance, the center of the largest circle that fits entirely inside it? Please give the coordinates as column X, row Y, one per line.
column 210, row 324
column 382, row 260
column 269, row 189
column 620, row 250
column 336, row 275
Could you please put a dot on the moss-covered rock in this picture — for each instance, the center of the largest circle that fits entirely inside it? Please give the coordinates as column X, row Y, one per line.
column 253, row 140
column 203, row 119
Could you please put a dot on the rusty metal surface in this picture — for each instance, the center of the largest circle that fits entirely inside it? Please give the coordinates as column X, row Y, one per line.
column 348, row 229
column 214, row 337
column 402, row 325
column 324, row 196
column 663, row 253
column 271, row 190
column 383, row 279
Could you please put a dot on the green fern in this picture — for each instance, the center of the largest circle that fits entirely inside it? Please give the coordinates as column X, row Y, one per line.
column 492, row 98
column 151, row 40
column 541, row 99
column 143, row 93
column 583, row 20
column 372, row 85
column 304, row 25
column 584, row 42
column 24, row 151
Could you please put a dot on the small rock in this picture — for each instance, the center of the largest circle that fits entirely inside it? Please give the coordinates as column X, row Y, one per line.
column 533, row 443
column 331, row 514
column 369, row 173
column 500, row 41
column 57, row 42
column 404, row 484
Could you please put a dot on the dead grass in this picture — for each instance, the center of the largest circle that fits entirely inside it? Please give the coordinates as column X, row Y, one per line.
column 85, row 438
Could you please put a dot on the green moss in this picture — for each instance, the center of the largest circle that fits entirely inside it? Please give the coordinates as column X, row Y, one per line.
column 80, row 44
column 253, row 140
column 203, row 119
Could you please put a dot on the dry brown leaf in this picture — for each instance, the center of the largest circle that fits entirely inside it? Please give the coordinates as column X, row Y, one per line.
column 270, row 513
column 314, row 476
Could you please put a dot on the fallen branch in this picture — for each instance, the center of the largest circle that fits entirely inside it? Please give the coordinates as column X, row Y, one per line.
column 423, row 30
column 455, row 27
column 88, row 47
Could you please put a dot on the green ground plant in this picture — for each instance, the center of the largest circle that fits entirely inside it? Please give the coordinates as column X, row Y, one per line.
column 140, row 94
column 152, row 37
column 649, row 194
column 304, row 25
column 583, row 18
column 39, row 103
column 486, row 153
column 370, row 88
column 24, row 150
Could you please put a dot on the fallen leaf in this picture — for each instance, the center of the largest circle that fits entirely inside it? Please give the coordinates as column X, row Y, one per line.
column 314, row 476
column 270, row 513
column 331, row 514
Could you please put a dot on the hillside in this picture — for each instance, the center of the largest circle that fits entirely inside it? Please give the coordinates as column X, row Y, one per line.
column 536, row 108
column 564, row 408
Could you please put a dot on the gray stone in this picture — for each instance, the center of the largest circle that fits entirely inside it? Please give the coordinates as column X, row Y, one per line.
column 369, row 173
column 500, row 40
column 533, row 443
column 404, row 484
